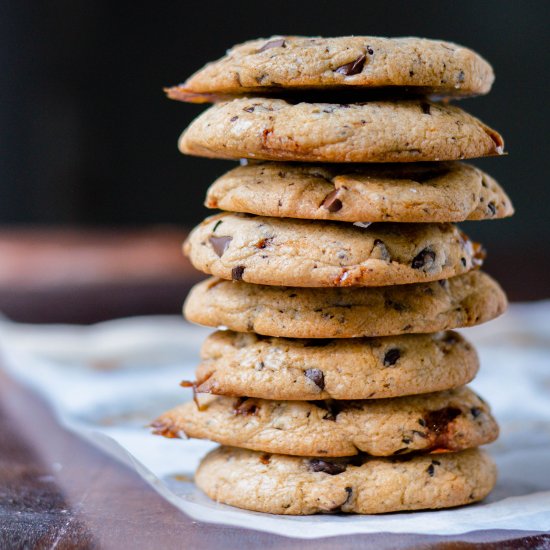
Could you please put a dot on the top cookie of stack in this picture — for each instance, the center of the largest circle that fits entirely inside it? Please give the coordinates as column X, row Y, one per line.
column 295, row 232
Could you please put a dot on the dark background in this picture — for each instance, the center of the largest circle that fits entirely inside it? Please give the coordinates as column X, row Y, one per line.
column 89, row 139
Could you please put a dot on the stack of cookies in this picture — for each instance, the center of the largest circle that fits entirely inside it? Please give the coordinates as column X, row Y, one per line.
column 335, row 381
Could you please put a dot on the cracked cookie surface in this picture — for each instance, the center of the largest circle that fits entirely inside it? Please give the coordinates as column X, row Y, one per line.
column 304, row 253
column 377, row 131
column 236, row 364
column 279, row 484
column 414, row 193
column 274, row 64
column 466, row 300
column 452, row 420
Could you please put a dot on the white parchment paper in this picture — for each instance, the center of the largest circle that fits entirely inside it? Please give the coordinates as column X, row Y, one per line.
column 108, row 381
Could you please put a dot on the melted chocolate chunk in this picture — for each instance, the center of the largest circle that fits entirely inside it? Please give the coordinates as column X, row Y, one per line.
column 331, row 468
column 353, row 67
column 331, row 202
column 245, row 407
column 279, row 43
column 220, row 244
column 237, row 273
column 317, row 377
column 424, row 259
column 265, row 458
column 380, row 251
column 263, row 243
column 479, row 254
column 391, row 357
column 438, row 422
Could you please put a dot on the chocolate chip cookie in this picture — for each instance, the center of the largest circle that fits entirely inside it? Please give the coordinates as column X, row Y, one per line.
column 412, row 192
column 377, row 131
column 452, row 420
column 466, row 300
column 304, row 253
column 236, row 364
column 280, row 63
column 279, row 484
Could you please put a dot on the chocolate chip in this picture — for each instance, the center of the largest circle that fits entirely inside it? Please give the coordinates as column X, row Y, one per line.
column 391, row 357
column 492, row 208
column 422, row 422
column 331, row 468
column 233, row 118
column 424, row 259
column 216, row 225
column 237, row 273
column 450, row 338
column 476, row 411
column 460, row 76
column 396, row 306
column 370, row 51
column 353, row 67
column 379, row 251
column 279, row 43
column 463, row 261
column 338, row 508
column 249, row 109
column 333, row 408
column 220, row 244
column 317, row 377
column 426, row 108
column 331, row 202
column 431, row 470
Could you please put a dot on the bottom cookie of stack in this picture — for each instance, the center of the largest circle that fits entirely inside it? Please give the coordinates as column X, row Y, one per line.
column 281, row 484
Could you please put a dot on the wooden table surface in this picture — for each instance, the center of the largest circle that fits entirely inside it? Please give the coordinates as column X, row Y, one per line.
column 57, row 491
